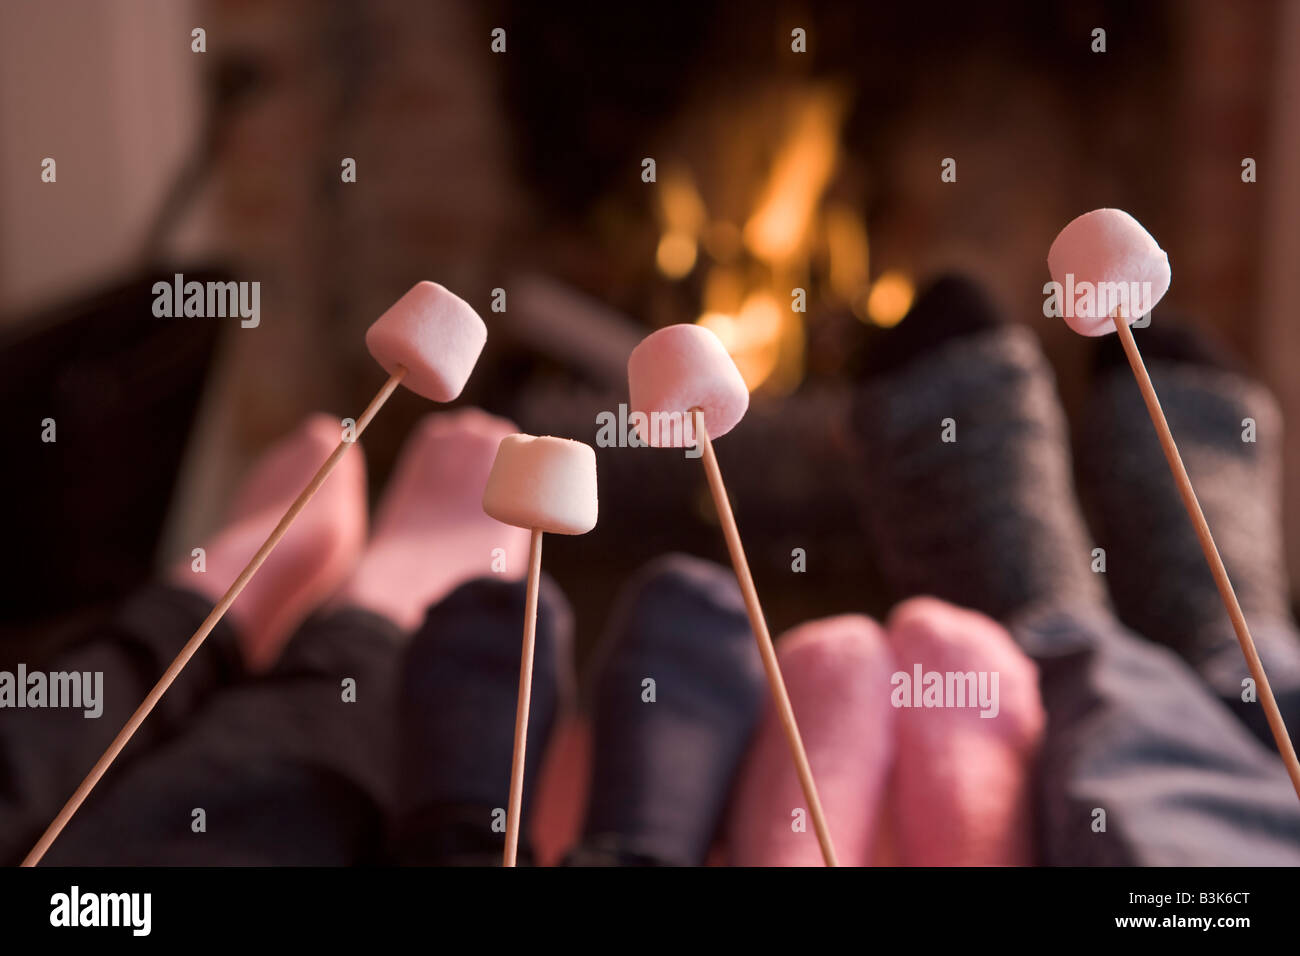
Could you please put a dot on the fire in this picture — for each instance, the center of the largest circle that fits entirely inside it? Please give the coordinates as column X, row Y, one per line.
column 752, row 337
column 778, row 231
column 849, row 252
column 792, row 239
column 681, row 210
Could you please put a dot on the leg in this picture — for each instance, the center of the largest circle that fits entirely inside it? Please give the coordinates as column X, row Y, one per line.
column 989, row 521
column 1132, row 731
column 46, row 753
column 292, row 768
column 296, row 767
column 1158, row 576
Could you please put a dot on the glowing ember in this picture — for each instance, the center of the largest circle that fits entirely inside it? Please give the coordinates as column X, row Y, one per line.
column 752, row 337
column 891, row 296
column 676, row 254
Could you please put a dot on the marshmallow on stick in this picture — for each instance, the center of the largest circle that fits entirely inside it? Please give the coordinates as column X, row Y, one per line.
column 1128, row 273
column 429, row 340
column 542, row 484
column 682, row 376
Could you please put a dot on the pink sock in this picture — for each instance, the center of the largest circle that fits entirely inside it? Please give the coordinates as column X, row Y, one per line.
column 430, row 532
column 837, row 674
column 315, row 554
column 962, row 784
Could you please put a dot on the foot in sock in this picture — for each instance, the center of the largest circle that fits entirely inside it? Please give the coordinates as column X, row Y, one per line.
column 664, row 755
column 1158, row 576
column 837, row 673
column 430, row 532
column 458, row 693
column 963, row 781
column 967, row 488
column 316, row 553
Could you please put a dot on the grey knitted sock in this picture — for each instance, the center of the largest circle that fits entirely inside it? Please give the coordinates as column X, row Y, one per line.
column 1158, row 577
column 988, row 520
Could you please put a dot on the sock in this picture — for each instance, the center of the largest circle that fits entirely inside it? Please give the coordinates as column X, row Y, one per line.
column 837, row 673
column 1169, row 341
column 987, row 519
column 430, row 531
column 1158, row 576
column 316, row 553
column 963, row 783
column 949, row 307
column 459, row 689
column 662, row 767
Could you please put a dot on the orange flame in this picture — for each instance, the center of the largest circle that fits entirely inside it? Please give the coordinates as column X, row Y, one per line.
column 777, row 232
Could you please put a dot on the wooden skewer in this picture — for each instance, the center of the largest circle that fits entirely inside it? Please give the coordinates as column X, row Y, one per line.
column 525, row 697
column 1211, row 551
column 192, row 645
column 765, row 649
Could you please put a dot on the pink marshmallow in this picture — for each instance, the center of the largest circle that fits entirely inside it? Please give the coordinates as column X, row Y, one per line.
column 435, row 334
column 679, row 368
column 1106, row 247
column 543, row 483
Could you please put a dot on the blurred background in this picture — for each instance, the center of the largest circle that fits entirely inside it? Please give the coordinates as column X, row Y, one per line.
column 522, row 171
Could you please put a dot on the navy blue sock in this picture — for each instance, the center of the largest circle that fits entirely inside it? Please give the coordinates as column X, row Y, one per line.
column 456, row 712
column 665, row 753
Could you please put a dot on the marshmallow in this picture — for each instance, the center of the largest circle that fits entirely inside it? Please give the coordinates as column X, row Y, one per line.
column 543, row 483
column 1104, row 248
column 679, row 368
column 435, row 334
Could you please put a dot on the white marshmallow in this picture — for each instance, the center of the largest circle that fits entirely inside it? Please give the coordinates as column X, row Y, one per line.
column 543, row 483
column 435, row 335
column 678, row 368
column 1109, row 250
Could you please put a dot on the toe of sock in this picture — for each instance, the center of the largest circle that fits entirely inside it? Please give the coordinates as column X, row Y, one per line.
column 837, row 675
column 951, row 639
column 961, row 792
column 951, row 306
column 286, row 467
column 689, row 613
column 317, row 553
column 459, row 689
column 1168, row 339
column 676, row 691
